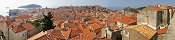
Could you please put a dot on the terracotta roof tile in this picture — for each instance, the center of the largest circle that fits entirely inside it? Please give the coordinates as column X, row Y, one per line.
column 46, row 37
column 161, row 31
column 114, row 27
column 156, row 8
column 86, row 30
column 97, row 31
column 71, row 24
column 99, row 34
column 37, row 36
column 8, row 21
column 28, row 26
column 80, row 27
column 114, row 20
column 126, row 20
column 76, row 21
column 104, row 39
column 85, row 36
column 163, row 7
column 66, row 33
column 146, row 31
column 92, row 21
column 173, row 7
column 75, row 32
column 16, row 27
column 63, row 24
column 134, row 16
column 56, row 22
column 95, row 26
column 55, row 34
column 22, row 17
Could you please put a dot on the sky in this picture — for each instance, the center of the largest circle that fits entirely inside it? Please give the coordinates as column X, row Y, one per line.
column 14, row 4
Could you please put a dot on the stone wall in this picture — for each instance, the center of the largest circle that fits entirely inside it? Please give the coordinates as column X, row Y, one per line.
column 147, row 17
column 32, row 32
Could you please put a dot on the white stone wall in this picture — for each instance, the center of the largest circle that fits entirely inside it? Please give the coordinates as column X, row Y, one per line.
column 147, row 17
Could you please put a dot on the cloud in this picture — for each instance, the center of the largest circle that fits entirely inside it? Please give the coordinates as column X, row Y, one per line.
column 31, row 6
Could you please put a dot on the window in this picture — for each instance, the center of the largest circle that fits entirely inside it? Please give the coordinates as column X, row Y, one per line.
column 126, row 33
column 25, row 34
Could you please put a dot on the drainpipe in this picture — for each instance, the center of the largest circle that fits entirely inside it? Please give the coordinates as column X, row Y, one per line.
column 172, row 12
column 8, row 33
column 168, row 17
column 106, row 34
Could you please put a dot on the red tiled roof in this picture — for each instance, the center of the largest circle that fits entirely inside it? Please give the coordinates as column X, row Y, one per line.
column 62, row 26
column 66, row 33
column 102, row 25
column 71, row 24
column 85, row 36
column 126, row 20
column 82, row 20
column 104, row 39
column 99, row 34
column 75, row 32
column 114, row 27
column 55, row 34
column 76, row 21
column 51, row 35
column 134, row 16
column 156, row 8
column 86, row 30
column 163, row 7
column 92, row 21
column 46, row 37
column 22, row 17
column 95, row 26
column 146, row 31
column 173, row 7
column 162, row 30
column 56, row 21
column 97, row 31
column 16, row 28
column 8, row 21
column 80, row 27
column 114, row 20
column 28, row 26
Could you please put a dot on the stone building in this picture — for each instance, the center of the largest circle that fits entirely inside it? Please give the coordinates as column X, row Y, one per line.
column 138, row 32
column 155, row 16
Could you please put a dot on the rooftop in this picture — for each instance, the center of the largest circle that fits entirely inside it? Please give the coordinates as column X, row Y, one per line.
column 126, row 20
column 146, row 31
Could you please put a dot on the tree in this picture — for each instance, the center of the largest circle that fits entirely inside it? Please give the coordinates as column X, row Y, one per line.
column 140, row 8
column 36, row 23
column 48, row 23
column 129, row 9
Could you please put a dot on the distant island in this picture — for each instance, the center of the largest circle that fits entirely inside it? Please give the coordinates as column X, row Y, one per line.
column 31, row 6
